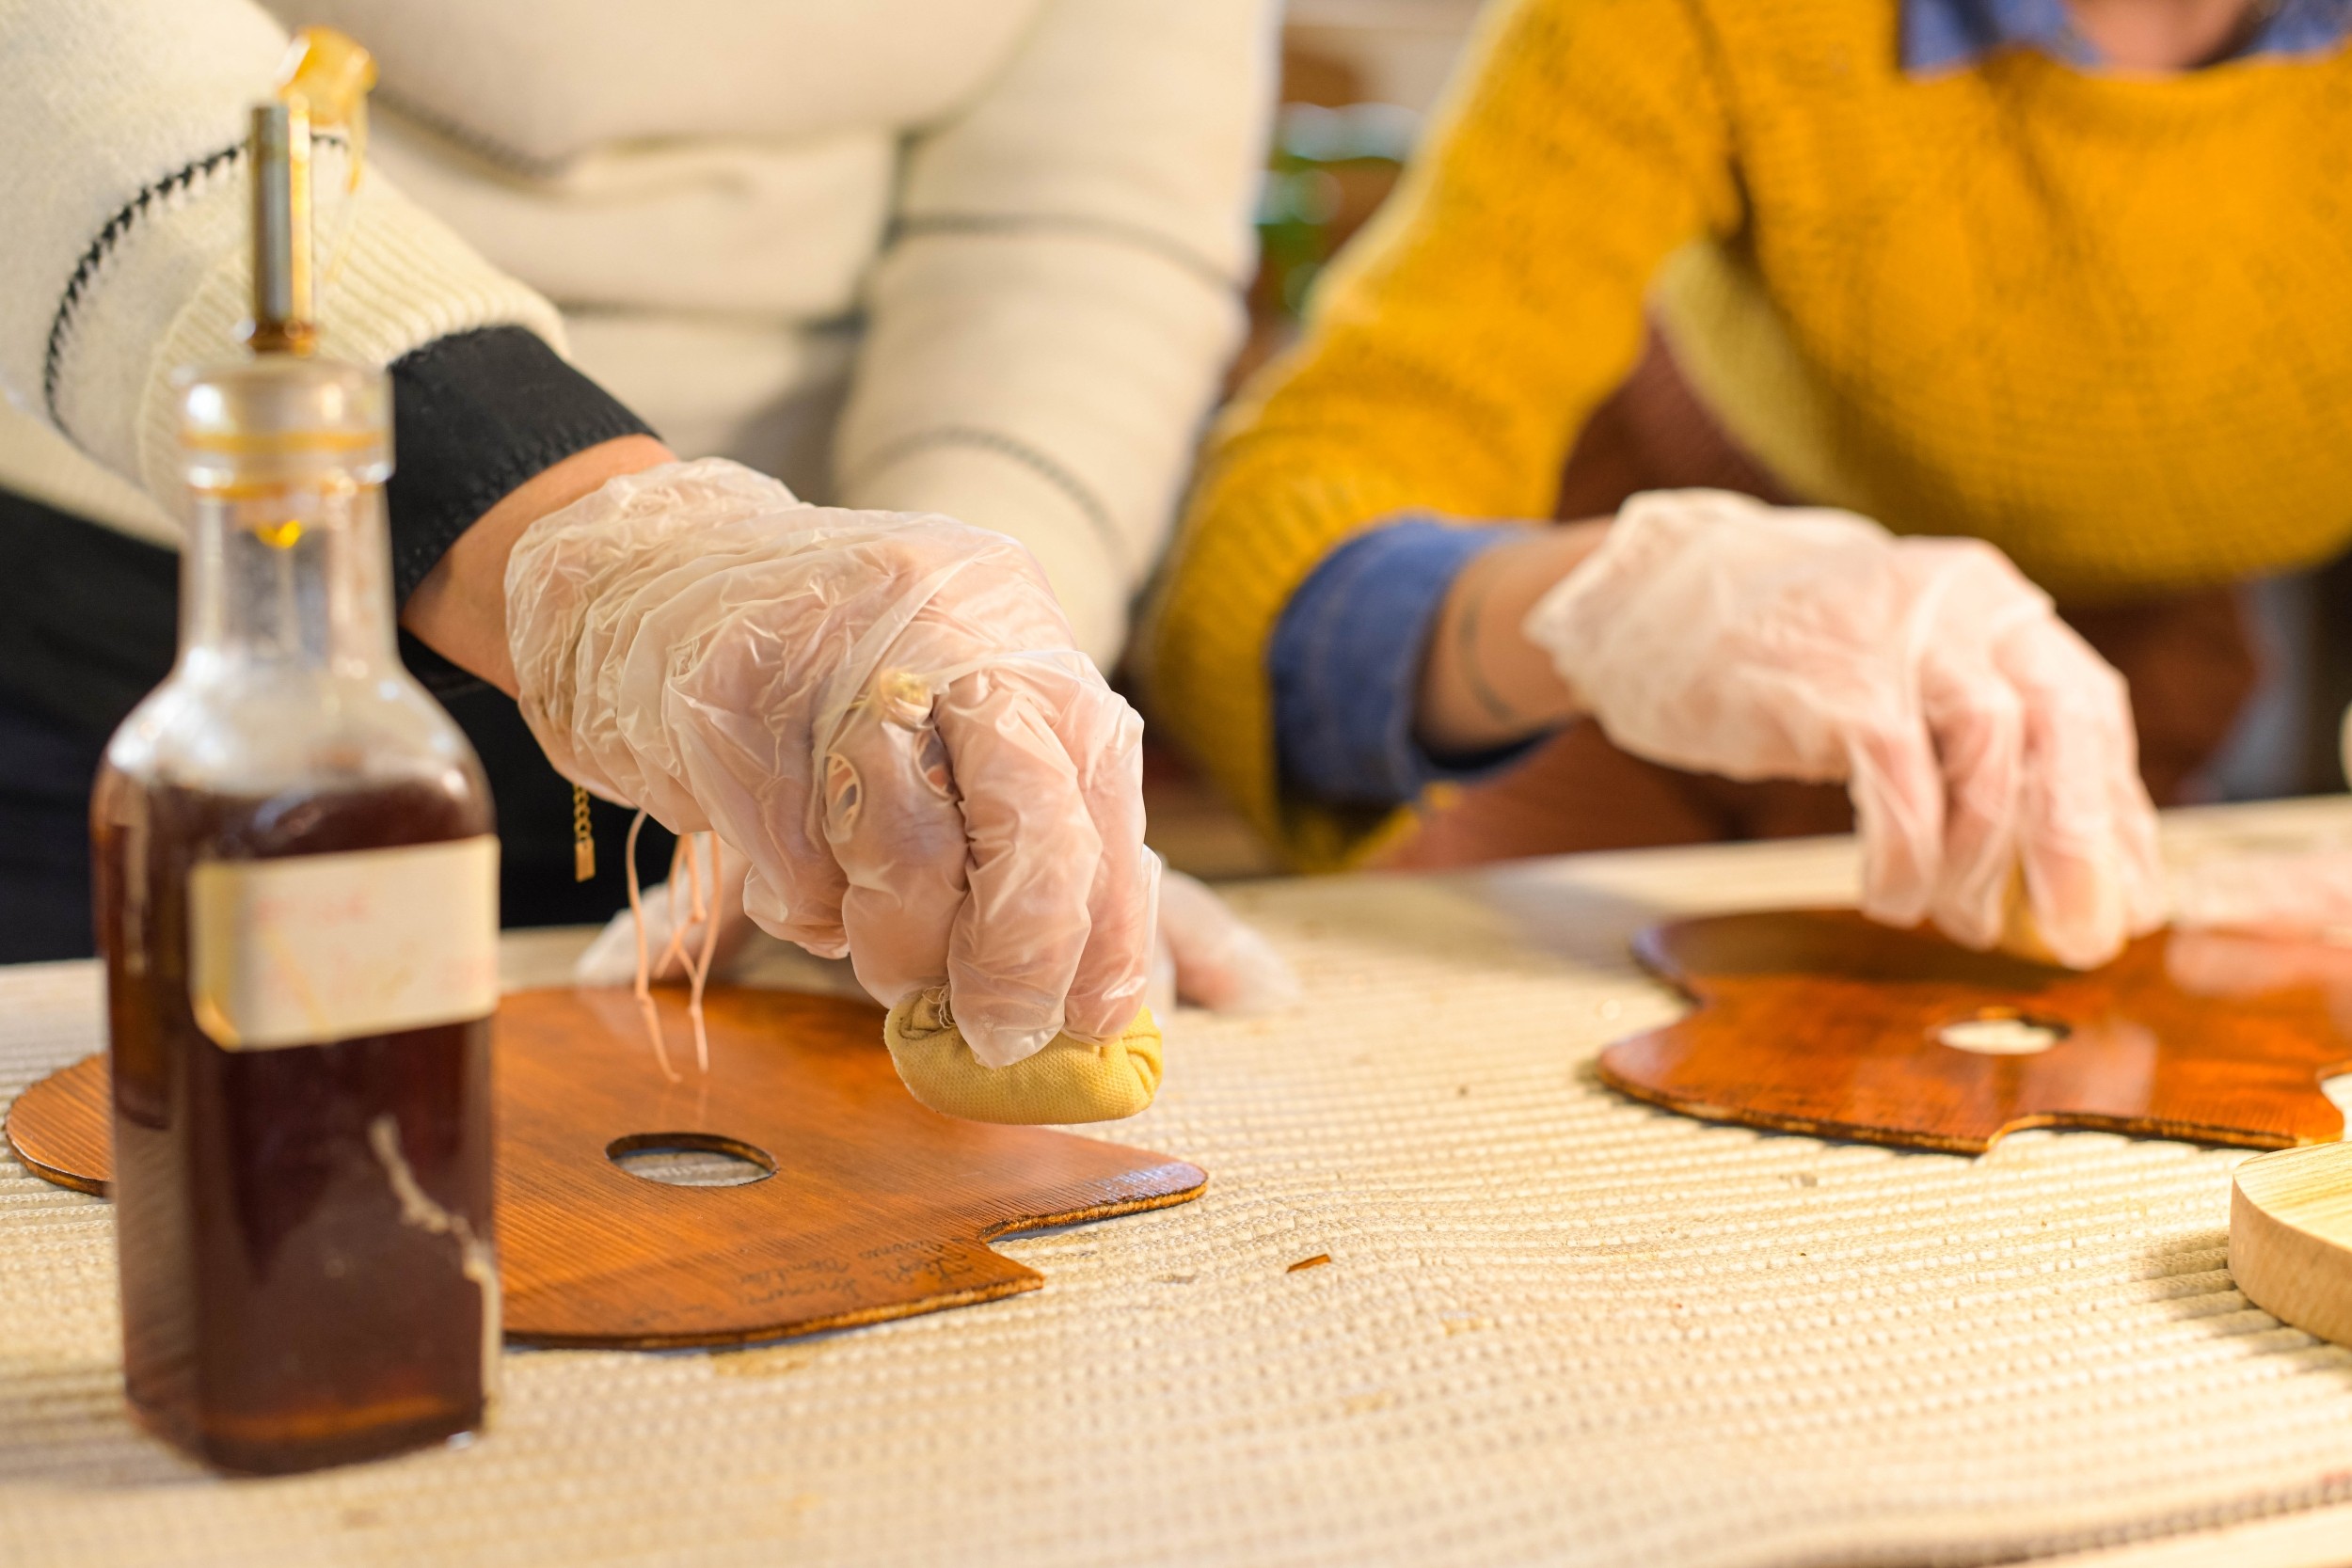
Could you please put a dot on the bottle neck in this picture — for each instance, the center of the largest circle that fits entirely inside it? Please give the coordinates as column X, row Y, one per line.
column 294, row 579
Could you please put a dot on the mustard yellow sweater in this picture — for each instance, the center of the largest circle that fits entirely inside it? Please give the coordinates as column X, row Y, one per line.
column 2103, row 322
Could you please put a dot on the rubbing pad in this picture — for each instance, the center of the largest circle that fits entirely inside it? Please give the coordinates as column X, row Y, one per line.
column 1068, row 1080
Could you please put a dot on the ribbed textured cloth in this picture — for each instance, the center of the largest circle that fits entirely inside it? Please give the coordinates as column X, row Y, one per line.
column 1556, row 1328
column 2097, row 320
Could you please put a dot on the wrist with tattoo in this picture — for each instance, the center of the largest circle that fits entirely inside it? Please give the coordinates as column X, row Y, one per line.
column 1484, row 684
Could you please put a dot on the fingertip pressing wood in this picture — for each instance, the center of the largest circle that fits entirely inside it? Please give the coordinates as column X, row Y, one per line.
column 2021, row 932
column 2291, row 1237
column 876, row 1207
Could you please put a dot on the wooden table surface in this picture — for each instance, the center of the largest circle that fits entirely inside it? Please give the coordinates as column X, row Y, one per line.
column 1554, row 1325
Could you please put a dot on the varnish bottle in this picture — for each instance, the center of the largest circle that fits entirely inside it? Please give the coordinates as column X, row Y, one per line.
column 297, row 909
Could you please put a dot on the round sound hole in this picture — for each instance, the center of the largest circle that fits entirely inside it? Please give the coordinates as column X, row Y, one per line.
column 2002, row 1032
column 690, row 1158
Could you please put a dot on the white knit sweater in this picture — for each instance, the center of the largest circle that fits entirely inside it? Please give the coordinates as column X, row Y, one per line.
column 1010, row 233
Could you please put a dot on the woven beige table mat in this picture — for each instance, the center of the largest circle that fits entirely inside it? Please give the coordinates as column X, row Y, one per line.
column 1555, row 1326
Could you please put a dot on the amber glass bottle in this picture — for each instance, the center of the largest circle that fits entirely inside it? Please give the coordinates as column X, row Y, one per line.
column 298, row 896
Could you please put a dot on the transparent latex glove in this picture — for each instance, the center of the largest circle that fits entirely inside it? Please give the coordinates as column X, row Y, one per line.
column 1204, row 955
column 880, row 714
column 1210, row 957
column 611, row 958
column 1979, row 735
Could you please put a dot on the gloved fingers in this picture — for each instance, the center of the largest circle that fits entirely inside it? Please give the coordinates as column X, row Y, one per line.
column 2086, row 832
column 1220, row 963
column 794, row 900
column 586, row 590
column 2072, row 885
column 611, row 958
column 895, row 825
column 1106, row 738
column 757, row 786
column 1978, row 723
column 1114, row 977
column 1712, row 632
column 1033, row 858
column 1898, row 791
column 1160, row 991
column 696, row 642
column 2146, row 902
column 2138, row 855
column 777, row 914
column 893, row 819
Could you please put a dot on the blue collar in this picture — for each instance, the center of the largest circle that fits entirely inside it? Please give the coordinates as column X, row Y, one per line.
column 1943, row 34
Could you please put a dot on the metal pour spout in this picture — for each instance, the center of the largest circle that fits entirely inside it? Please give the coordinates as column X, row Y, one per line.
column 284, row 321
column 323, row 86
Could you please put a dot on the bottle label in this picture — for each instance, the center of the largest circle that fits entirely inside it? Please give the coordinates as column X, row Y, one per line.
column 313, row 948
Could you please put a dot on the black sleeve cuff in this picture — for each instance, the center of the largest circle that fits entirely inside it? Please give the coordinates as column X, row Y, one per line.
column 473, row 417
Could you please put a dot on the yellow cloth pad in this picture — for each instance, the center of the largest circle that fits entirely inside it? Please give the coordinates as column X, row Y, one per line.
column 1070, row 1080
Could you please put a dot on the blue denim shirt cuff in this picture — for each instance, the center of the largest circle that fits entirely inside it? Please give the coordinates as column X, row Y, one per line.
column 1346, row 661
column 1946, row 35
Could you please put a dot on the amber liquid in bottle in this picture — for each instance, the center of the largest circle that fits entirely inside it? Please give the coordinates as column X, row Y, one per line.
column 304, row 1223
column 281, row 1309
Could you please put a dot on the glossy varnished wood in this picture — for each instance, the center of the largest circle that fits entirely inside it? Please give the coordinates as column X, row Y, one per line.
column 58, row 1127
column 878, row 1208
column 1823, row 1022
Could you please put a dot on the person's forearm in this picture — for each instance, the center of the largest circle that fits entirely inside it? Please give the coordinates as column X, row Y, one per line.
column 1485, row 685
column 459, row 609
column 2166, row 35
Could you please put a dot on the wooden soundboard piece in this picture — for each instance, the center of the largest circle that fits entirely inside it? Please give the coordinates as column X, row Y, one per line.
column 877, row 1208
column 1823, row 1023
column 2291, row 1237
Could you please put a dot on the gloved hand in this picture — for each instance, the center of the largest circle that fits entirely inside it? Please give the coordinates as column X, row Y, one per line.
column 611, row 958
column 1209, row 956
column 881, row 715
column 1204, row 953
column 1977, row 734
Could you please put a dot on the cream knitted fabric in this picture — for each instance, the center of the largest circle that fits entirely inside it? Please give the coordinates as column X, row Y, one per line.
column 1049, row 333
column 1556, row 1328
column 1039, row 207
column 124, row 196
column 1042, row 207
column 38, row 460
